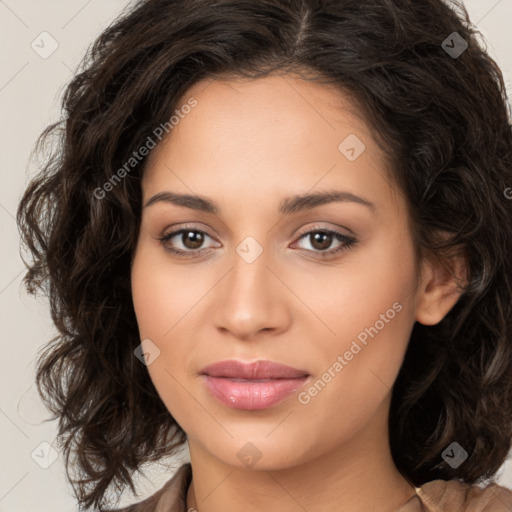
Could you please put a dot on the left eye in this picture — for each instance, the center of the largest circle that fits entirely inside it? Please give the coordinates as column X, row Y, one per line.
column 322, row 239
column 192, row 239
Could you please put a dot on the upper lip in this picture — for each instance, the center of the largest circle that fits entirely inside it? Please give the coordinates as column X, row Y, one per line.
column 252, row 371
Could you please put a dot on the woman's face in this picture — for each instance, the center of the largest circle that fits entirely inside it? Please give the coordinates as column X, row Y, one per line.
column 253, row 286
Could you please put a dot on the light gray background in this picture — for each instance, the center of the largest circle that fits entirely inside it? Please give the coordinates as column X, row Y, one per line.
column 30, row 91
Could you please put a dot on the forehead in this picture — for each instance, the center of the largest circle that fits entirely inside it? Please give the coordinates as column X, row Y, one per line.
column 246, row 137
column 275, row 110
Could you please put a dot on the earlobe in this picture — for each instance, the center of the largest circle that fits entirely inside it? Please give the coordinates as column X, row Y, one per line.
column 442, row 285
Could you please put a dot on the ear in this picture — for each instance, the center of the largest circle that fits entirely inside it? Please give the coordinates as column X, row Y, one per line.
column 443, row 281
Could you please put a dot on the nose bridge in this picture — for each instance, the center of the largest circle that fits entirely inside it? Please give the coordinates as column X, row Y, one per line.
column 249, row 278
column 250, row 291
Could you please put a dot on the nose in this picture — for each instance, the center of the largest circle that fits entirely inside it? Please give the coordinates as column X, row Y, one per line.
column 252, row 299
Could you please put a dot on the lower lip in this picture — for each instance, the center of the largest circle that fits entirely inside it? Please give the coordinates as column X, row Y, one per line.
column 250, row 394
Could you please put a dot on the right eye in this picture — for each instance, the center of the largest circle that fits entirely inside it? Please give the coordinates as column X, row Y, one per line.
column 189, row 238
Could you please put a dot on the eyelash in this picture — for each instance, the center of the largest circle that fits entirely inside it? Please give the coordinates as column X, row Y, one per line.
column 348, row 242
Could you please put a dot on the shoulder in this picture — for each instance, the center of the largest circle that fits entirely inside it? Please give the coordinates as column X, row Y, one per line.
column 456, row 496
column 171, row 497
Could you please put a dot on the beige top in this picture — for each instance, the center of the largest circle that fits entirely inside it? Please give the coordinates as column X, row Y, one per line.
column 434, row 496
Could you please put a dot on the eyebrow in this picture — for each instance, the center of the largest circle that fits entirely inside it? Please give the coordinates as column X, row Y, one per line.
column 287, row 206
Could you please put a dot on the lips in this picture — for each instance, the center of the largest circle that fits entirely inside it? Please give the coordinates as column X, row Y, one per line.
column 259, row 370
column 252, row 386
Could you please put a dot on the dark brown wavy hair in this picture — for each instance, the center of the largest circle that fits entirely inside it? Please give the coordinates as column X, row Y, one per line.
column 443, row 119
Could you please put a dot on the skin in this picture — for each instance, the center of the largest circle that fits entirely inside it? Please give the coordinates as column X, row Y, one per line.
column 247, row 145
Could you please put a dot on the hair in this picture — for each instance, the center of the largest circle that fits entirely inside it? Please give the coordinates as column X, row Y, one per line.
column 443, row 121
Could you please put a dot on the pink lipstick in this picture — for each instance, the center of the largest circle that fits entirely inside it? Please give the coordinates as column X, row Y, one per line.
column 252, row 386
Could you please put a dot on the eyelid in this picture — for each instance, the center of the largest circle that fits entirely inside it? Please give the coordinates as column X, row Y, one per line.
column 317, row 227
column 303, row 231
column 347, row 240
column 176, row 230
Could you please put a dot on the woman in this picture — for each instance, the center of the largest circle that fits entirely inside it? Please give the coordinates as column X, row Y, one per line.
column 279, row 231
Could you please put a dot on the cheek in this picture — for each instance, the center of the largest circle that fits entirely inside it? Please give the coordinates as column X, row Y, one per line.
column 162, row 293
column 161, row 297
column 372, row 288
column 167, row 299
column 369, row 310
